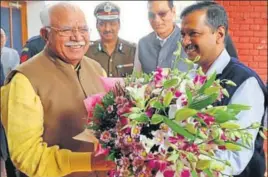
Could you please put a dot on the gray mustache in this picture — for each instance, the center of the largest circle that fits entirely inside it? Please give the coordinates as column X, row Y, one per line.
column 75, row 43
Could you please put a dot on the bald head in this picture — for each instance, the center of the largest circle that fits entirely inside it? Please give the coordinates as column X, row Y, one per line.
column 3, row 38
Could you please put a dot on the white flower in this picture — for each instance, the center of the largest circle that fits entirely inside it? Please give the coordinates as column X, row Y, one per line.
column 174, row 107
column 147, row 143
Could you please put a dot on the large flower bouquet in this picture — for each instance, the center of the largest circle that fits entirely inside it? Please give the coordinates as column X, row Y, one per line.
column 165, row 124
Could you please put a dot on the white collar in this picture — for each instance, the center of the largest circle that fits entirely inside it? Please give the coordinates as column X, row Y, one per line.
column 163, row 41
column 220, row 63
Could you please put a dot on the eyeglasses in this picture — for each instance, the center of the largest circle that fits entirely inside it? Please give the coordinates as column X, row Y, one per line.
column 162, row 15
column 67, row 32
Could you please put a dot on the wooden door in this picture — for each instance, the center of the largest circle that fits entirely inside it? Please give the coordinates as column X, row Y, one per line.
column 14, row 22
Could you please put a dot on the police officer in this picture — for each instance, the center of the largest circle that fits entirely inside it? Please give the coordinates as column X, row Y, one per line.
column 32, row 47
column 114, row 54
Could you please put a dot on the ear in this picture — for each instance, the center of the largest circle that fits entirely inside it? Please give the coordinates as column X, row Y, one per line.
column 220, row 34
column 44, row 33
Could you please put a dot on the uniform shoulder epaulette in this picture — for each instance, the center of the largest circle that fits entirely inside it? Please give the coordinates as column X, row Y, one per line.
column 34, row 38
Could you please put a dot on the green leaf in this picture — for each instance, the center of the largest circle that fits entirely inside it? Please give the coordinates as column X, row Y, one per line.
column 202, row 135
column 191, row 157
column 135, row 109
column 190, row 128
column 222, row 116
column 189, row 96
column 208, row 83
column 178, row 129
column 211, row 90
column 194, row 173
column 170, row 83
column 208, row 172
column 225, row 93
column 217, row 166
column 173, row 157
column 262, row 135
column 238, row 107
column 229, row 82
column 108, row 99
column 98, row 111
column 184, row 113
column 233, row 147
column 139, row 117
column 156, row 119
column 255, row 125
column 203, row 101
column 230, row 125
column 167, row 99
column 203, row 164
column 157, row 105
column 111, row 156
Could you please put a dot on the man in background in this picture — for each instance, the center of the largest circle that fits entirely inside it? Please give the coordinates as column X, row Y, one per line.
column 157, row 48
column 114, row 54
column 36, row 43
column 9, row 57
column 32, row 47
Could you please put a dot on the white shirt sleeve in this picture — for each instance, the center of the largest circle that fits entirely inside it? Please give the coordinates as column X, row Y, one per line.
column 249, row 93
column 137, row 63
column 16, row 60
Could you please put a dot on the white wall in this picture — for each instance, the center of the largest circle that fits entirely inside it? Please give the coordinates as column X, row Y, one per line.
column 33, row 18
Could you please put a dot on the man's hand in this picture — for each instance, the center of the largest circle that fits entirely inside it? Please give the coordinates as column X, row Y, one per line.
column 98, row 162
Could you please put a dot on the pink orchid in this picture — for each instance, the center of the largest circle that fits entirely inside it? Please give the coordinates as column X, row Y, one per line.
column 91, row 102
column 109, row 82
column 175, row 140
column 185, row 173
column 160, row 165
column 208, row 119
column 102, row 151
column 200, row 80
column 105, row 136
column 169, row 173
column 190, row 147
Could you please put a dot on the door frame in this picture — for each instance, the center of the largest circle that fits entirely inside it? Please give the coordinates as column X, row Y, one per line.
column 24, row 25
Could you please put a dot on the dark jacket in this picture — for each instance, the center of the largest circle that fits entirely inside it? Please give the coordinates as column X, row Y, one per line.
column 238, row 73
column 32, row 47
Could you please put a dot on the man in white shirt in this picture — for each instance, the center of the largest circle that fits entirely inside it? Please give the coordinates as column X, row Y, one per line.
column 9, row 57
column 204, row 29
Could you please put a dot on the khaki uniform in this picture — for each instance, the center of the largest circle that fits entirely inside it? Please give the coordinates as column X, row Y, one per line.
column 120, row 63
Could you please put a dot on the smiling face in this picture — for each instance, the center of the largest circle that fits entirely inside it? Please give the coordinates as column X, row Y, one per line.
column 161, row 17
column 70, row 48
column 108, row 29
column 199, row 39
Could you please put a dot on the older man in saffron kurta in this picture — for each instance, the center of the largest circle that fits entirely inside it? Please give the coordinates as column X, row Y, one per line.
column 42, row 102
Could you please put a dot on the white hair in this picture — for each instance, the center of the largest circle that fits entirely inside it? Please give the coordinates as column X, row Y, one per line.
column 44, row 16
column 45, row 13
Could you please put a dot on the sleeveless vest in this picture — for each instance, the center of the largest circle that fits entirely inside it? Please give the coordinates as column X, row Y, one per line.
column 62, row 90
column 238, row 73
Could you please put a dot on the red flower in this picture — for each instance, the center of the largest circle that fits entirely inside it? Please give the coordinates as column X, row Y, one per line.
column 169, row 173
column 200, row 79
column 185, row 173
column 208, row 119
